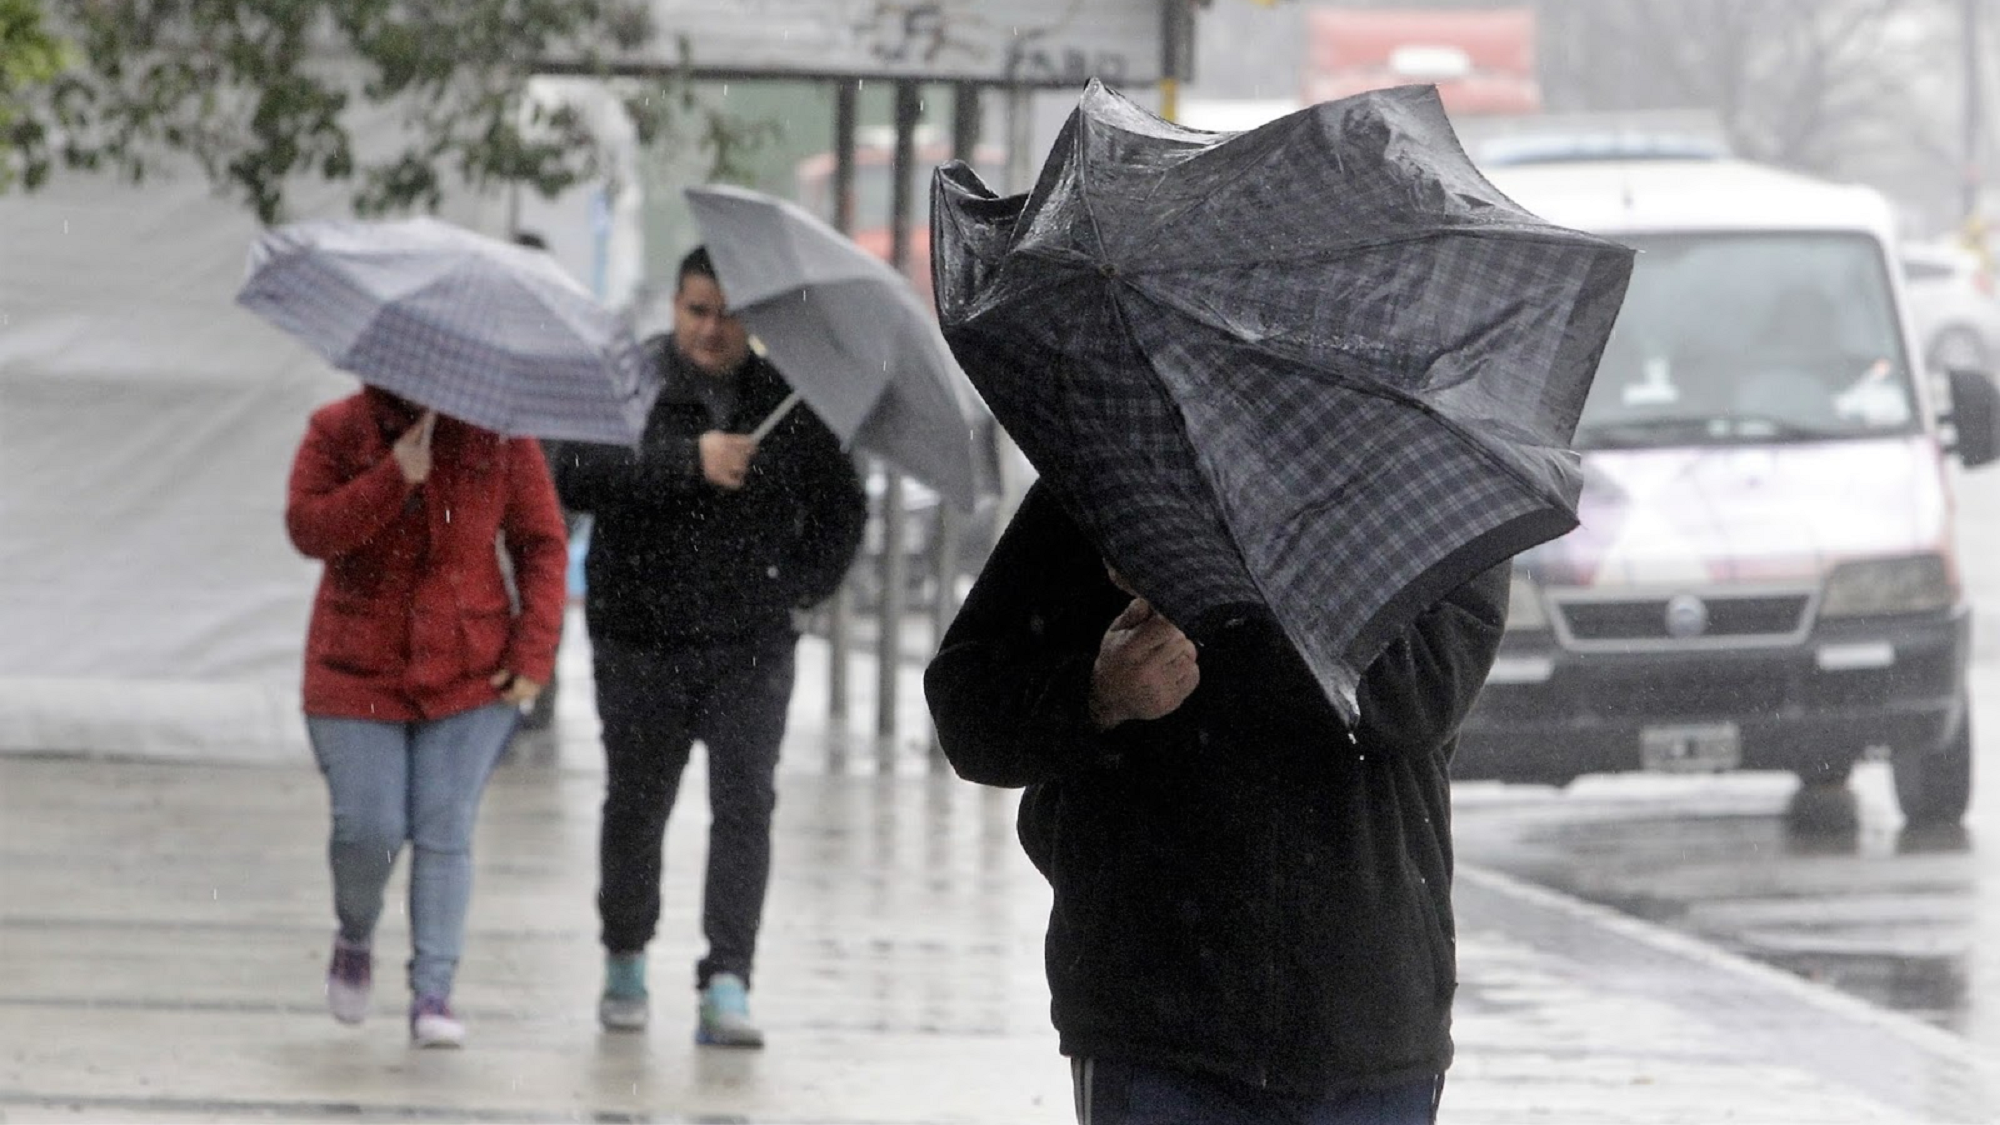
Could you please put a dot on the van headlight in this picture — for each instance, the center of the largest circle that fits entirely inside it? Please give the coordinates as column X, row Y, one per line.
column 1525, row 612
column 1912, row 584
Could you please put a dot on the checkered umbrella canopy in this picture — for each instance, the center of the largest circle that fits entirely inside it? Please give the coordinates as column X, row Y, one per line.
column 488, row 332
column 1320, row 367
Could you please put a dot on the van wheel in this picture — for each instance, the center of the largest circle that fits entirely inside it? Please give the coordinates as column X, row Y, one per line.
column 1934, row 786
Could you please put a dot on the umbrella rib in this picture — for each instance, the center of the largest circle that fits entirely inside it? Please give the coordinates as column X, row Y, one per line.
column 1374, row 390
column 1125, row 322
column 1158, row 229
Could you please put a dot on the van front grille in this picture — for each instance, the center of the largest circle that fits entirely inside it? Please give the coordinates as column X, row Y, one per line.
column 1769, row 616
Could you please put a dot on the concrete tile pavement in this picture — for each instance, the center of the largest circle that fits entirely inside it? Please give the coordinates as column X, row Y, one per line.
column 163, row 929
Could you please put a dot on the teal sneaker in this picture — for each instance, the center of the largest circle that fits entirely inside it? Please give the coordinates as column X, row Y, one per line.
column 725, row 1014
column 623, row 1005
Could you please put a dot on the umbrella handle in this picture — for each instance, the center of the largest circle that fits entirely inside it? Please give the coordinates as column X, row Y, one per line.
column 776, row 416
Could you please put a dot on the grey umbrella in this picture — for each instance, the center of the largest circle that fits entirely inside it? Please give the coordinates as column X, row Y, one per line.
column 847, row 332
column 1321, row 368
column 488, row 332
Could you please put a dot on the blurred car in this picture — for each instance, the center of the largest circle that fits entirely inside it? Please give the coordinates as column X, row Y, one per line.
column 1955, row 306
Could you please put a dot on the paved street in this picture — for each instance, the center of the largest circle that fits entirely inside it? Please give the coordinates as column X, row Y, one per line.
column 163, row 930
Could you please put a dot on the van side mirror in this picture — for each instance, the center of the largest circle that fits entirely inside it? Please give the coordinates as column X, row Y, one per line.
column 1974, row 417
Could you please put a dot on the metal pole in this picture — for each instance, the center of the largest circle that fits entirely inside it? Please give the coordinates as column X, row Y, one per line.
column 840, row 615
column 949, row 528
column 1176, row 53
column 889, row 636
column 1974, row 106
column 845, row 96
column 1020, row 137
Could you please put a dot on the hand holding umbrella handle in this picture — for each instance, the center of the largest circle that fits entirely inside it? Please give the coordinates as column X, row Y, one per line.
column 1146, row 667
column 725, row 458
column 413, row 450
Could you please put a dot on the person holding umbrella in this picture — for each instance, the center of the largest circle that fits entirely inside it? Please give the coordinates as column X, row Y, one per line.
column 1296, row 397
column 1252, row 917
column 471, row 350
column 416, row 663
column 733, row 512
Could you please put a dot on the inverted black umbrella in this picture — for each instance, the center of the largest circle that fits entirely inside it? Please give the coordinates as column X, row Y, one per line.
column 1320, row 367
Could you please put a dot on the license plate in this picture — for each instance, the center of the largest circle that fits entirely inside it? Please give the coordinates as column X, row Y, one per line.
column 1696, row 748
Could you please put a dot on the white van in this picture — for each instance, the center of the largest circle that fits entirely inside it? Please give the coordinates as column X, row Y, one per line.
column 1765, row 573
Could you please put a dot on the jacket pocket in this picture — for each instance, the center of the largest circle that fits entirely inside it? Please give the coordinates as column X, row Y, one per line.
column 357, row 642
column 486, row 633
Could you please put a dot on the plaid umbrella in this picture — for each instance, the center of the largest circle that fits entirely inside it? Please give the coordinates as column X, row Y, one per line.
column 490, row 333
column 847, row 331
column 1321, row 367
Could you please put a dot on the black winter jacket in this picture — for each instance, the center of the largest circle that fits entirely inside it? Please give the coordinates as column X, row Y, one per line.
column 672, row 557
column 1243, row 887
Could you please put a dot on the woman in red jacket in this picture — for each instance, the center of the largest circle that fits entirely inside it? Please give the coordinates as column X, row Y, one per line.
column 417, row 662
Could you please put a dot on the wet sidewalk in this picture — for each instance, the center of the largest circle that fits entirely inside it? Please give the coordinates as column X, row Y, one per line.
column 163, row 931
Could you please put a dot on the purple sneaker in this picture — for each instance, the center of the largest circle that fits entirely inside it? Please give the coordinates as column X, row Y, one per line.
column 348, row 980
column 433, row 1025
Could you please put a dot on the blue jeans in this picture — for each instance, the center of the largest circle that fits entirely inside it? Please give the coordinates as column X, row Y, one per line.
column 1118, row 1093
column 421, row 782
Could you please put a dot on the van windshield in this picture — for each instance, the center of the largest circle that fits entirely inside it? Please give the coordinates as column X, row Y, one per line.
column 1732, row 338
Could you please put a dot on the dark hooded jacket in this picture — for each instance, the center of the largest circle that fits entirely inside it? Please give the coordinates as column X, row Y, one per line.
column 675, row 559
column 1246, row 886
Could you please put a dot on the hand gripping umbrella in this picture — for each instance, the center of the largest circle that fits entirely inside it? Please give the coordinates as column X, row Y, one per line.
column 488, row 332
column 847, row 332
column 1321, row 367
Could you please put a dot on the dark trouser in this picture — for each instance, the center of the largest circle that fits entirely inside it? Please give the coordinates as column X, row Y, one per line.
column 654, row 703
column 1116, row 1093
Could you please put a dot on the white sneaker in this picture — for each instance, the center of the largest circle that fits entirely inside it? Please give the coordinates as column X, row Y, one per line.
column 349, row 979
column 622, row 1006
column 432, row 1023
column 725, row 1014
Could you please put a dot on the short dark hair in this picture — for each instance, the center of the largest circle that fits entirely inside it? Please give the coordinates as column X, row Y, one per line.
column 696, row 264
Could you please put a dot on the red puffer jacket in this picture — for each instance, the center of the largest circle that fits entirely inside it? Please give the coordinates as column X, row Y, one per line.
column 413, row 618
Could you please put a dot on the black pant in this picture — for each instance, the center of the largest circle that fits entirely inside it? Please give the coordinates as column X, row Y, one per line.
column 654, row 703
column 1109, row 1092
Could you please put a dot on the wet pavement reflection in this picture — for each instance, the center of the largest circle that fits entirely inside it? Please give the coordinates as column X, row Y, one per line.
column 1823, row 882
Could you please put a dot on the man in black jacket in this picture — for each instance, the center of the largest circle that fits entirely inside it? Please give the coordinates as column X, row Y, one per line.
column 705, row 541
column 1252, row 917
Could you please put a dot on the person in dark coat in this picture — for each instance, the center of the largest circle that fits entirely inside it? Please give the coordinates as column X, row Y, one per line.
column 417, row 662
column 1252, row 915
column 705, row 541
